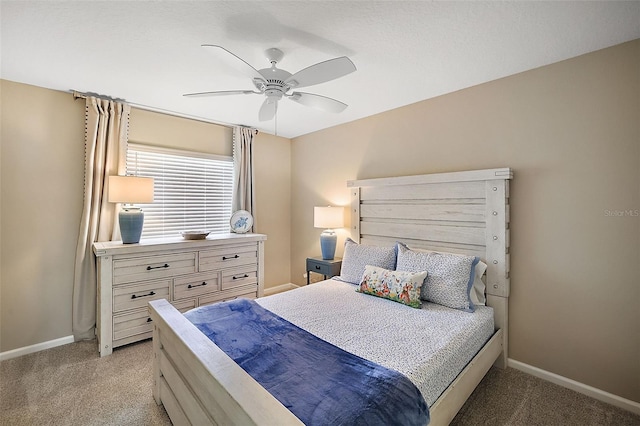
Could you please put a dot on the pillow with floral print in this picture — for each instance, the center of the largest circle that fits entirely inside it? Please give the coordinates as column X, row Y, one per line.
column 399, row 286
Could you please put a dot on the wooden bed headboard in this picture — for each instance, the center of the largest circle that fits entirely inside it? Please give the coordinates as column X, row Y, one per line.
column 461, row 212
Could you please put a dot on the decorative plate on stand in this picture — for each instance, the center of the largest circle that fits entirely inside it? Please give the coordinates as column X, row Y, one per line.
column 241, row 222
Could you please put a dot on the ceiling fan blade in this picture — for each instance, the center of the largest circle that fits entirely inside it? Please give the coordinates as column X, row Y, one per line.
column 318, row 101
column 321, row 72
column 238, row 63
column 268, row 109
column 221, row 93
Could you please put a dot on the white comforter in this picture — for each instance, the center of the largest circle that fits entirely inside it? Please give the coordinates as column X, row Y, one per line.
column 430, row 345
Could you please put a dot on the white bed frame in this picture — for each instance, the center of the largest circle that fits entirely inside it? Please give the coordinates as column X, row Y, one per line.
column 461, row 212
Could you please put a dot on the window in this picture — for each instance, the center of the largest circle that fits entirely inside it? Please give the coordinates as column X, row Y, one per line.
column 192, row 191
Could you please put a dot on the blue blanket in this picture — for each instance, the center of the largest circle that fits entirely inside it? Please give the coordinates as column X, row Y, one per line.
column 318, row 382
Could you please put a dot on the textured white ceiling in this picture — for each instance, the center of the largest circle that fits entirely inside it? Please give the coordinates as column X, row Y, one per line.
column 149, row 53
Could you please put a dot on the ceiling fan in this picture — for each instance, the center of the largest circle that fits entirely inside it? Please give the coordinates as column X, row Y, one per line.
column 276, row 83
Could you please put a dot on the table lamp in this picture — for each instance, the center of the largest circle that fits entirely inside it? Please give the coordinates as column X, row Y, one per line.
column 128, row 190
column 329, row 218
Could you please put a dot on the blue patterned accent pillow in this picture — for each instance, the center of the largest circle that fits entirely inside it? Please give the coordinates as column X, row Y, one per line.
column 357, row 256
column 399, row 286
column 450, row 276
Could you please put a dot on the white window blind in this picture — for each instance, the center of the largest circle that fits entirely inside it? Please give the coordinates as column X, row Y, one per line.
column 192, row 191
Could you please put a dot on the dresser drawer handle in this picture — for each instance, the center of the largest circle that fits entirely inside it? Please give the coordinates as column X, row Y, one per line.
column 242, row 276
column 166, row 265
column 151, row 293
column 230, row 257
column 149, row 320
column 317, row 267
column 197, row 285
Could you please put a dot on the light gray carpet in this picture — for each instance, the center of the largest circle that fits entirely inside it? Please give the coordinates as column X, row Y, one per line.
column 511, row 397
column 71, row 385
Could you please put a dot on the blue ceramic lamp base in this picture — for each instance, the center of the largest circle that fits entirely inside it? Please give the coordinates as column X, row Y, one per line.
column 131, row 220
column 328, row 240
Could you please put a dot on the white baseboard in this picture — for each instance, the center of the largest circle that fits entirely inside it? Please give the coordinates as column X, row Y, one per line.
column 279, row 289
column 595, row 393
column 36, row 348
column 69, row 339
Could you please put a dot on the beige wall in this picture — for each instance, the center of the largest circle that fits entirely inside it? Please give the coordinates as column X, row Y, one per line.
column 42, row 183
column 571, row 133
column 42, row 167
column 273, row 205
column 167, row 131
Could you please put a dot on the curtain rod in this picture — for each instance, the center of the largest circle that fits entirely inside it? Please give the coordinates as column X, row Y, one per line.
column 80, row 95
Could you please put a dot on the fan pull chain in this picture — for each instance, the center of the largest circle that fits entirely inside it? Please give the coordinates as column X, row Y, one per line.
column 276, row 120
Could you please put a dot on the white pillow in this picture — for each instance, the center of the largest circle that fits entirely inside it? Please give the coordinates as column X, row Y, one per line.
column 356, row 257
column 451, row 276
column 479, row 286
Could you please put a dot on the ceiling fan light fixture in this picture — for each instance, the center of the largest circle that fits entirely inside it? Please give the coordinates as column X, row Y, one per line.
column 273, row 97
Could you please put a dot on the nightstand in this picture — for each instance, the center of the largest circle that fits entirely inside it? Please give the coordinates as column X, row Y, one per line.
column 328, row 268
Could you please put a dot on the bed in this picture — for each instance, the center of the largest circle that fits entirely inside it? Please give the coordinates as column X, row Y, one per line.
column 464, row 213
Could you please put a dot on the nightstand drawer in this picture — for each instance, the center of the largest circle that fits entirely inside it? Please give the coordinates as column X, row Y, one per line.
column 318, row 268
column 329, row 268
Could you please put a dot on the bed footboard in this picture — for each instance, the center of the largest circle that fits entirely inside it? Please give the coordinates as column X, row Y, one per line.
column 453, row 398
column 199, row 384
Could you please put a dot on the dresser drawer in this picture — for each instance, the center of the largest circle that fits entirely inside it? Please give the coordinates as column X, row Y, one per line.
column 229, row 256
column 150, row 267
column 195, row 285
column 137, row 295
column 184, row 305
column 249, row 292
column 237, row 277
column 135, row 323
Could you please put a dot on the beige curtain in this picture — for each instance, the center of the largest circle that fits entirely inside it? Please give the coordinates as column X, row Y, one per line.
column 106, row 131
column 243, row 188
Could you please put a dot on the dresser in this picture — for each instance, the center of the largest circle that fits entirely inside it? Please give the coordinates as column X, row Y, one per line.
column 188, row 273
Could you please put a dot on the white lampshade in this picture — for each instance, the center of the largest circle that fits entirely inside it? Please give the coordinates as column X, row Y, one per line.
column 328, row 217
column 130, row 189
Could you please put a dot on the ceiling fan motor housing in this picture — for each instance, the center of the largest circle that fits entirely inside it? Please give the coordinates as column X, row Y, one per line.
column 275, row 82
